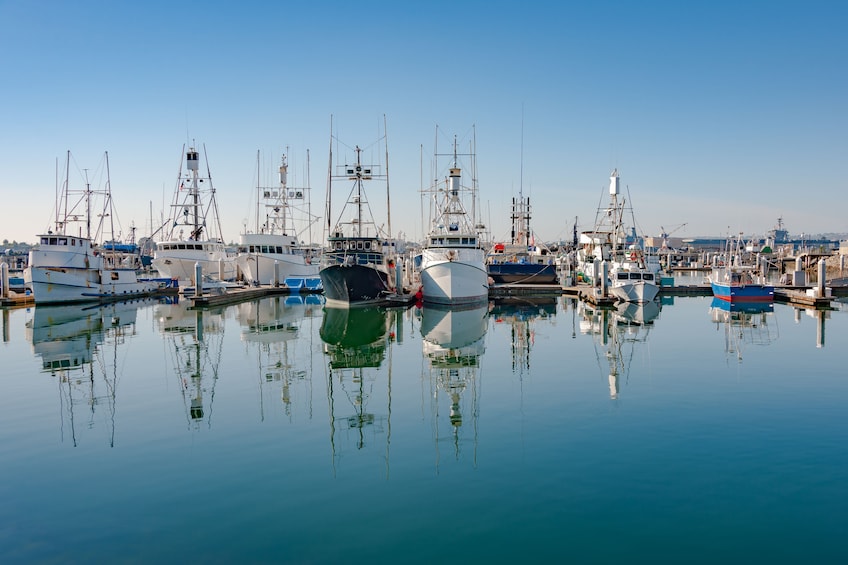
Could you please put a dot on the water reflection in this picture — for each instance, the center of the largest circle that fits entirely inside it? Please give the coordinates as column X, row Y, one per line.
column 452, row 345
column 521, row 314
column 83, row 347
column 194, row 344
column 271, row 328
column 356, row 343
column 819, row 316
column 743, row 324
column 618, row 331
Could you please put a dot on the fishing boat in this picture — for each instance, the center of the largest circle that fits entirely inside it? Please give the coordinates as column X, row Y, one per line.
column 632, row 278
column 733, row 280
column 522, row 260
column 453, row 267
column 272, row 252
column 69, row 265
column 358, row 263
column 194, row 234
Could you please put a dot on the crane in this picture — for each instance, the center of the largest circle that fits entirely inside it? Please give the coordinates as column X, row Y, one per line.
column 664, row 234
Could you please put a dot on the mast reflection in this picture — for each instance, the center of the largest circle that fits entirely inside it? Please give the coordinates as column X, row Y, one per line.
column 617, row 331
column 272, row 327
column 194, row 339
column 82, row 346
column 453, row 343
column 356, row 343
column 745, row 323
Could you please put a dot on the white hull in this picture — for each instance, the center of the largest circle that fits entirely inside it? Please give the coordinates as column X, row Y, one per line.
column 58, row 284
column 637, row 291
column 259, row 267
column 454, row 276
column 179, row 263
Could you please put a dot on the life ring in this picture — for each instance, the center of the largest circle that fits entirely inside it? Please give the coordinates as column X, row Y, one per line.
column 633, row 255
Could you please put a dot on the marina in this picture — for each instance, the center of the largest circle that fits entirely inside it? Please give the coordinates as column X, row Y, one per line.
column 685, row 414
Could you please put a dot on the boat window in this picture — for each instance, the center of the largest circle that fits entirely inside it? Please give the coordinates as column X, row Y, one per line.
column 73, row 242
column 648, row 276
column 367, row 245
column 181, row 246
column 635, row 276
column 114, row 275
column 339, row 245
column 359, row 245
column 63, row 241
column 621, row 276
column 453, row 241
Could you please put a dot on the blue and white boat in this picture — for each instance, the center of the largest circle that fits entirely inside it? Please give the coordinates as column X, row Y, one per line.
column 735, row 280
column 739, row 284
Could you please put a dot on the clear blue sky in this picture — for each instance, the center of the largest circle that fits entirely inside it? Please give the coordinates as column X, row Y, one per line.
column 723, row 115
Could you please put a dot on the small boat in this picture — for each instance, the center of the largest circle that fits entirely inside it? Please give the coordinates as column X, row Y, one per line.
column 195, row 229
column 272, row 252
column 453, row 268
column 739, row 284
column 632, row 278
column 69, row 265
column 733, row 281
column 521, row 261
column 358, row 264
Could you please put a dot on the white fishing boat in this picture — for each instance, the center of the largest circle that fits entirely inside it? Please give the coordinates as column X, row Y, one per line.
column 195, row 234
column 69, row 265
column 453, row 261
column 275, row 250
column 631, row 277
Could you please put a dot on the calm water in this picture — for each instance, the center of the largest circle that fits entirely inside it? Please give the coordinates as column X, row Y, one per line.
column 277, row 432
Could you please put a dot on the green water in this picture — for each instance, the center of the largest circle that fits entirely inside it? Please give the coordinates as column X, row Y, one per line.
column 274, row 432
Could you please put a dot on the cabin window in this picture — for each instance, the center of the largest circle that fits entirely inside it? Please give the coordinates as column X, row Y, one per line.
column 367, row 245
column 621, row 276
column 338, row 245
column 648, row 276
column 114, row 276
column 635, row 276
column 53, row 241
column 181, row 246
column 73, row 242
column 359, row 245
column 453, row 241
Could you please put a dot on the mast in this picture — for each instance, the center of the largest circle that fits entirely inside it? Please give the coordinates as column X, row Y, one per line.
column 388, row 199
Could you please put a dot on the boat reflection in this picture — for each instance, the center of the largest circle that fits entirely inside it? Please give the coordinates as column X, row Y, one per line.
column 744, row 324
column 521, row 315
column 272, row 327
column 453, row 343
column 618, row 330
column 357, row 342
column 83, row 347
column 194, row 339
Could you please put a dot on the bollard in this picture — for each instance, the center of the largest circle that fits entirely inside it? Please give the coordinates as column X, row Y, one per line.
column 4, row 280
column 198, row 280
column 276, row 273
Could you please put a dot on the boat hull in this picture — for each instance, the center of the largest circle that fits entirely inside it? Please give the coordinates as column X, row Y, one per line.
column 743, row 293
column 180, row 266
column 60, row 285
column 456, row 281
column 639, row 292
column 354, row 284
column 259, row 268
column 522, row 273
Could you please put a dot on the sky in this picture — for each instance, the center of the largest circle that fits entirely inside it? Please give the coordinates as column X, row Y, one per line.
column 720, row 116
